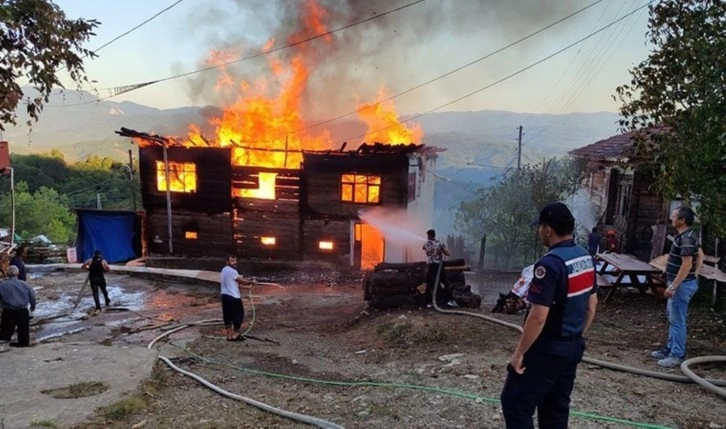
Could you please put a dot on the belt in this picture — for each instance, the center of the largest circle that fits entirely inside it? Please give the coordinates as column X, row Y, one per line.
column 570, row 337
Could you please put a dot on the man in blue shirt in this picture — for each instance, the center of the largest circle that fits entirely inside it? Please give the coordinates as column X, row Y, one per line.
column 684, row 261
column 563, row 299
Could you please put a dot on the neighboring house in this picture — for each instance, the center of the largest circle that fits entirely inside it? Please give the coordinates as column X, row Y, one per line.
column 623, row 196
column 219, row 207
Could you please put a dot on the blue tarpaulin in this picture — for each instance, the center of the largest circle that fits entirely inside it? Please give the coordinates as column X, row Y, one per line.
column 112, row 233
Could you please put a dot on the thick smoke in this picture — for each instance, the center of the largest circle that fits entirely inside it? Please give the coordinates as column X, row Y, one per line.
column 397, row 51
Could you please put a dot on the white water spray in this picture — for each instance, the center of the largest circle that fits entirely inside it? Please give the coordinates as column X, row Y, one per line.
column 395, row 225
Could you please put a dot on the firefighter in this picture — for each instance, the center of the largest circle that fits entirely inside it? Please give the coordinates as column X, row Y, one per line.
column 562, row 300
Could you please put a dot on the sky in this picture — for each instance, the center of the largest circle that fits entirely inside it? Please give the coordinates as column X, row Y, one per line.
column 397, row 52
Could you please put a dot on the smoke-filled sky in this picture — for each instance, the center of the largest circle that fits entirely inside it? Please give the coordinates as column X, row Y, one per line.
column 398, row 51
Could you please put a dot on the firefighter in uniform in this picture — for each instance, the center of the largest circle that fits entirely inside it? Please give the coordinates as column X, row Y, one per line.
column 562, row 297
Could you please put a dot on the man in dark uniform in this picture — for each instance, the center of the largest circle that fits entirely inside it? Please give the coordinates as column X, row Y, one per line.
column 563, row 299
column 96, row 267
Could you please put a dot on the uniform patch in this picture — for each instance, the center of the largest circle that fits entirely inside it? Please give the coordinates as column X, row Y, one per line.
column 540, row 272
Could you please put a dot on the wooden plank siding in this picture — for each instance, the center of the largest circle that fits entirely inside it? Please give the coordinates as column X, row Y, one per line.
column 644, row 211
column 321, row 182
column 256, row 218
column 213, row 169
column 214, row 233
column 317, row 230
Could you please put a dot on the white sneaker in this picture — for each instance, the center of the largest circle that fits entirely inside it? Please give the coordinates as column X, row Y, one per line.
column 452, row 303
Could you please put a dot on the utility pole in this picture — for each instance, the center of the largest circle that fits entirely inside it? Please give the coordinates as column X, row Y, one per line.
column 131, row 179
column 519, row 149
column 168, row 196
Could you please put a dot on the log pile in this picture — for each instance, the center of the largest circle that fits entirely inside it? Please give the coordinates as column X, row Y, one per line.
column 396, row 285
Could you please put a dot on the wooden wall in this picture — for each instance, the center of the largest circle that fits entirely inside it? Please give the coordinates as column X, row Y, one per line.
column 645, row 210
column 321, row 187
column 214, row 233
column 255, row 218
column 337, row 231
column 214, row 176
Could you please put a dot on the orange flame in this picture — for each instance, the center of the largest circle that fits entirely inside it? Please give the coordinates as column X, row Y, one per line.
column 384, row 125
column 264, row 126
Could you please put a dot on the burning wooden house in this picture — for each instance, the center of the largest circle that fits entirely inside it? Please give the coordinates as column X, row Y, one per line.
column 200, row 202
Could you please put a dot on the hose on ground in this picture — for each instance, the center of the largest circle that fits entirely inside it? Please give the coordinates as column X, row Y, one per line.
column 302, row 418
column 689, row 377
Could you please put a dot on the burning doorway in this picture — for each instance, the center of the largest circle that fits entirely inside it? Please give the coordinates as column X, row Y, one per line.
column 369, row 246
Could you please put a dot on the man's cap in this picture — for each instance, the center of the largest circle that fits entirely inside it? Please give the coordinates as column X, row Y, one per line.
column 555, row 214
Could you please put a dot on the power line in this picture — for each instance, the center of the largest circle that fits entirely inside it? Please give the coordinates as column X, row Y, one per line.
column 138, row 26
column 518, row 72
column 458, row 69
column 128, row 88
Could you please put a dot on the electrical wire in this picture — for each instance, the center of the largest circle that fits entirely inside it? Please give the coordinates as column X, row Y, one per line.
column 128, row 88
column 126, row 33
column 504, row 79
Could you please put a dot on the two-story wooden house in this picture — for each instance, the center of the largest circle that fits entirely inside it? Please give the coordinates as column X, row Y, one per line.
column 214, row 207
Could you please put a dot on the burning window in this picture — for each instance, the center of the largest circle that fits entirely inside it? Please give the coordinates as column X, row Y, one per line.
column 182, row 177
column 325, row 245
column 268, row 241
column 358, row 188
column 191, row 235
column 265, row 190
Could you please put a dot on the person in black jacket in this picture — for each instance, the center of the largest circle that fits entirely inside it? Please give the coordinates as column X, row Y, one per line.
column 19, row 261
column 97, row 267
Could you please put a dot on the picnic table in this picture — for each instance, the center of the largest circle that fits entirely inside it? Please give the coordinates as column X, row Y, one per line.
column 627, row 267
column 707, row 272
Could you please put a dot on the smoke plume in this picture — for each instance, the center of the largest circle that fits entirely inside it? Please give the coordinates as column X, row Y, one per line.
column 397, row 51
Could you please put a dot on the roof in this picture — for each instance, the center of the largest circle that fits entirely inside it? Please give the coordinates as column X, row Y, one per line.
column 615, row 146
column 381, row 149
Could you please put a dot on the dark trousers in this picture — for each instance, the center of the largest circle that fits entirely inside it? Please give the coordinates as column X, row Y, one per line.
column 9, row 320
column 546, row 385
column 442, row 295
column 96, row 284
column 233, row 312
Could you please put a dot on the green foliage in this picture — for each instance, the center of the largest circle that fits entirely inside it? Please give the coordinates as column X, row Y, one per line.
column 678, row 97
column 505, row 210
column 36, row 40
column 41, row 212
column 47, row 189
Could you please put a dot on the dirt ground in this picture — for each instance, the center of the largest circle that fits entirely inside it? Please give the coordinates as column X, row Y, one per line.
column 332, row 357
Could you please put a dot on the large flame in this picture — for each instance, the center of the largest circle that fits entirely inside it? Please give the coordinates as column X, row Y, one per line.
column 264, row 125
column 384, row 125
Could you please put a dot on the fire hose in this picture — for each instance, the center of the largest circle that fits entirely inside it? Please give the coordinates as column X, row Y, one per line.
column 709, row 384
column 302, row 418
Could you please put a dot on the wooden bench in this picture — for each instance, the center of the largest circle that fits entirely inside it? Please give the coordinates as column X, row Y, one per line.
column 707, row 272
column 602, row 281
column 711, row 260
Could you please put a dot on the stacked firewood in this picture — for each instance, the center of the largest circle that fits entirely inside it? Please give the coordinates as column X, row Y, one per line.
column 396, row 285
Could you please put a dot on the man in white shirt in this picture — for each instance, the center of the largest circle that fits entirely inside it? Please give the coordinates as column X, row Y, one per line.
column 233, row 311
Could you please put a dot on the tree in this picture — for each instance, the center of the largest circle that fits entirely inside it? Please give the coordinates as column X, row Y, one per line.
column 678, row 97
column 36, row 41
column 41, row 212
column 505, row 210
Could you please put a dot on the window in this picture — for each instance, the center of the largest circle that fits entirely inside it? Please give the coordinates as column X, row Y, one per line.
column 268, row 241
column 325, row 245
column 358, row 188
column 191, row 235
column 624, row 190
column 357, row 231
column 182, row 177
